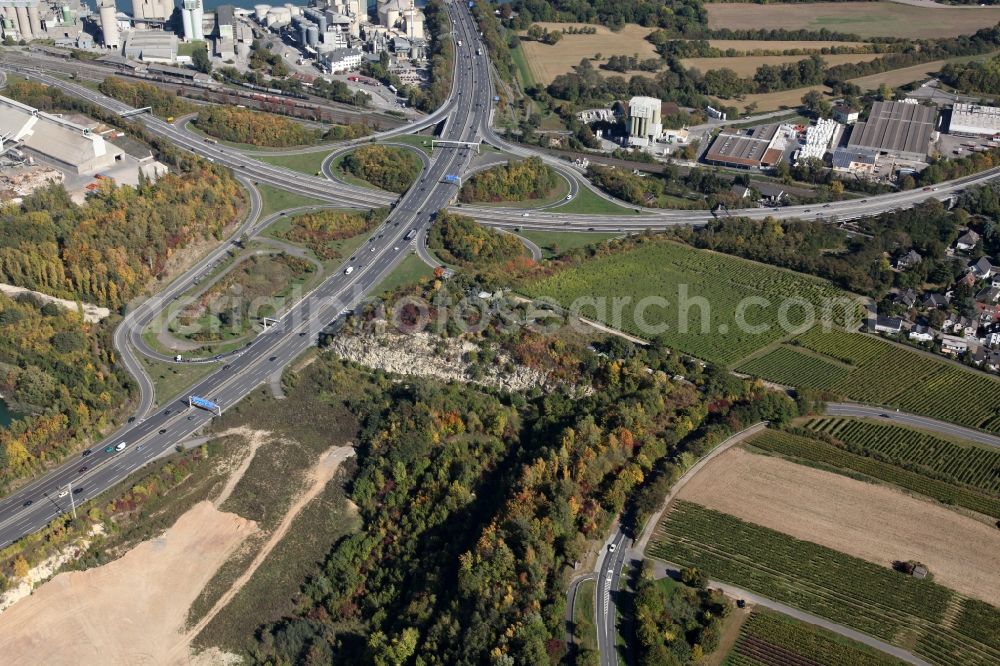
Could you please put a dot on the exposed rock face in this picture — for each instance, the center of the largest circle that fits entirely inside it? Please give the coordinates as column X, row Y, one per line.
column 428, row 355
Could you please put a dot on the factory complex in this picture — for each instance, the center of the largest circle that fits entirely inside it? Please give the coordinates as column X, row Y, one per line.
column 334, row 36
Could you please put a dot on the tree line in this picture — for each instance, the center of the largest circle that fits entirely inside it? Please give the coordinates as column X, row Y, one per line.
column 108, row 249
column 389, row 167
column 463, row 241
column 59, row 373
column 318, row 230
column 142, row 94
column 255, row 128
column 513, row 181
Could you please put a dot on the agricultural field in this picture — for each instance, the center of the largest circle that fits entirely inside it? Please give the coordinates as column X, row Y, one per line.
column 873, row 522
column 547, row 62
column 818, row 452
column 967, row 464
column 747, row 65
column 771, row 639
column 899, row 77
column 866, row 19
column 883, row 373
column 773, row 101
column 699, row 314
column 870, row 598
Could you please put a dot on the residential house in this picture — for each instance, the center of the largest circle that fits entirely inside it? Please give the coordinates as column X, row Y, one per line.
column 953, row 345
column 988, row 303
column 888, row 325
column 905, row 298
column 982, row 269
column 967, row 241
column 921, row 334
column 908, row 260
column 988, row 359
column 845, row 114
column 964, row 326
column 936, row 300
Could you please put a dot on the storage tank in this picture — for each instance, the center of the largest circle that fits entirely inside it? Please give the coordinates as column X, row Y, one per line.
column 186, row 22
column 278, row 16
column 109, row 25
column 35, row 20
column 292, row 9
column 260, row 12
column 312, row 34
column 23, row 26
column 198, row 22
column 67, row 15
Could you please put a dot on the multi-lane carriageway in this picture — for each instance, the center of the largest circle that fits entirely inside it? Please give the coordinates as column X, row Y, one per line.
column 157, row 431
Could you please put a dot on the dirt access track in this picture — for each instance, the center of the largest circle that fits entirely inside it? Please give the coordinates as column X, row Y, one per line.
column 872, row 522
column 133, row 610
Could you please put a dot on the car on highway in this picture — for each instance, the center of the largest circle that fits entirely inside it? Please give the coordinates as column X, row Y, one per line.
column 63, row 493
column 163, row 430
column 28, row 502
column 82, row 469
column 273, row 358
column 348, row 270
column 86, row 453
column 116, row 448
column 611, row 548
column 525, row 215
column 884, row 416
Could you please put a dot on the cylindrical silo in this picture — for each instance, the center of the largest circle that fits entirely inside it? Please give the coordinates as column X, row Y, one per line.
column 260, row 11
column 197, row 22
column 67, row 16
column 292, row 9
column 35, row 20
column 312, row 35
column 109, row 25
column 303, row 33
column 23, row 26
column 186, row 23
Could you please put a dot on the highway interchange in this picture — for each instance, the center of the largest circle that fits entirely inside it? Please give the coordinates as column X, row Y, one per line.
column 466, row 117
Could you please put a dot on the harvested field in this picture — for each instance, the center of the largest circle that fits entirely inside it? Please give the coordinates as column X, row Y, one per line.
column 866, row 19
column 548, row 62
column 783, row 99
column 899, row 77
column 871, row 522
column 129, row 611
column 747, row 66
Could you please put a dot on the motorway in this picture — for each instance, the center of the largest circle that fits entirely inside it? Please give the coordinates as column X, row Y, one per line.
column 913, row 421
column 155, row 432
column 467, row 113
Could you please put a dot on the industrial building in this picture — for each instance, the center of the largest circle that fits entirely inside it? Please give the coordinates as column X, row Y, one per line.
column 898, row 129
column 819, row 138
column 58, row 20
column 645, row 124
column 752, row 148
column 72, row 145
column 974, row 120
column 155, row 11
column 859, row 163
column 151, row 46
column 341, row 60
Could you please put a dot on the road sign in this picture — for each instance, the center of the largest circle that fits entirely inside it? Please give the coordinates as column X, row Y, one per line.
column 454, row 180
column 204, row 403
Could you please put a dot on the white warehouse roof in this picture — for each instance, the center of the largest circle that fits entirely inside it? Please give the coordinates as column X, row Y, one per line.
column 974, row 119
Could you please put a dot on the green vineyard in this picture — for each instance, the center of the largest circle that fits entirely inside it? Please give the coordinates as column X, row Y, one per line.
column 702, row 291
column 971, row 465
column 897, row 471
column 770, row 639
column 845, row 589
column 867, row 369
